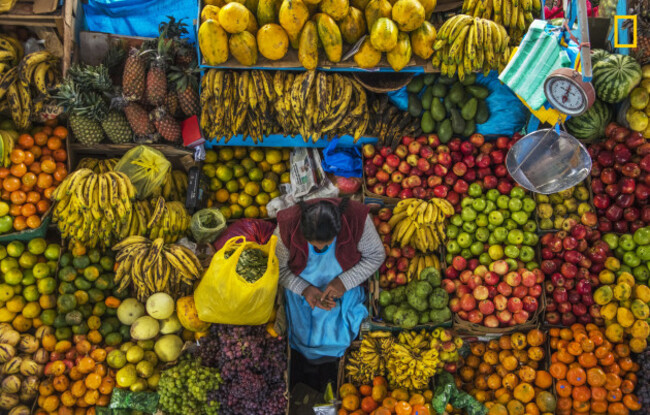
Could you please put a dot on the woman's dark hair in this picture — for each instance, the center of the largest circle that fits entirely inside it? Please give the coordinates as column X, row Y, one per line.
column 321, row 221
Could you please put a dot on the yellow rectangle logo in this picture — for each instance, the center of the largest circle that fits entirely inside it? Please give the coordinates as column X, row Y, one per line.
column 634, row 31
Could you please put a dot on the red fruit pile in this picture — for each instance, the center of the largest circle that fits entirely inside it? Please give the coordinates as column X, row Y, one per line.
column 571, row 261
column 394, row 271
column 423, row 168
column 620, row 180
column 494, row 296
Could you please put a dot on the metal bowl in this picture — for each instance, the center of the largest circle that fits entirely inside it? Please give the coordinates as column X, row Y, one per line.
column 547, row 162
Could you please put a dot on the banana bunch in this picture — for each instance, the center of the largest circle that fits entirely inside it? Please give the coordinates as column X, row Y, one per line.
column 160, row 219
column 412, row 361
column 389, row 124
column 175, row 186
column 420, row 223
column 24, row 81
column 256, row 103
column 357, row 370
column 467, row 44
column 94, row 209
column 420, row 262
column 516, row 15
column 370, row 359
column 153, row 266
column 97, row 165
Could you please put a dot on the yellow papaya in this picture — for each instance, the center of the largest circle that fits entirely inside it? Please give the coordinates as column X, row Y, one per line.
column 330, row 35
column 428, row 5
column 400, row 55
column 422, row 40
column 359, row 4
column 353, row 26
column 233, row 17
column 188, row 315
column 252, row 23
column 336, row 9
column 210, row 12
column 244, row 48
column 367, row 56
column 308, row 47
column 266, row 12
column 383, row 35
column 375, row 10
column 213, row 41
column 251, row 5
column 292, row 17
column 272, row 41
column 408, row 15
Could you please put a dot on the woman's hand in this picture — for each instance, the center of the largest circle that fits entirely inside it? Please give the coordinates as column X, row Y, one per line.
column 335, row 290
column 316, row 298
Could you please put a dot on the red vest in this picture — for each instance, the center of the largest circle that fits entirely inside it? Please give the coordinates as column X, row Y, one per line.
column 352, row 223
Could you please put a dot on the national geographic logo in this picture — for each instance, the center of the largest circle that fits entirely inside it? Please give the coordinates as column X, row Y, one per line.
column 630, row 23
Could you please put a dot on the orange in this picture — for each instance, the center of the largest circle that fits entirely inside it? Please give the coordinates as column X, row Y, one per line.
column 581, row 393
column 48, row 342
column 60, row 173
column 612, row 381
column 527, row 374
column 60, row 155
column 29, row 158
column 93, row 381
column 588, row 360
column 17, row 156
column 524, row 392
column 614, row 395
column 576, row 376
column 535, row 337
column 631, row 402
column 420, row 410
column 44, row 181
column 564, row 356
column 11, row 184
column 33, row 222
column 566, row 334
column 350, row 402
column 627, row 386
column 54, row 143
column 19, row 223
column 25, row 141
column 416, row 399
column 28, row 209
column 83, row 347
column 60, row 132
column 40, row 138
column 368, row 404
column 596, row 376
column 32, row 196
column 558, row 370
column 14, row 210
column 543, row 379
column 403, row 408
column 98, row 355
column 29, row 180
column 4, row 172
column 86, row 364
column 617, row 409
column 389, row 403
column 574, row 348
column 581, row 406
column 563, row 388
column 532, row 409
column 599, row 406
column 622, row 350
column 18, row 170
column 18, row 197
column 48, row 166
column 42, row 206
column 60, row 383
column 35, row 167
column 48, row 192
column 67, row 399
column 564, row 404
column 78, row 389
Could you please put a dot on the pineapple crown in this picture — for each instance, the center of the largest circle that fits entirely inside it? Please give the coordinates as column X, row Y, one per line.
column 184, row 77
column 172, row 29
column 115, row 55
column 85, row 103
column 91, row 78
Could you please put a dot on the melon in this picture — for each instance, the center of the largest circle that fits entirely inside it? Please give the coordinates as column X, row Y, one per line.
column 168, row 347
column 615, row 76
column 129, row 311
column 170, row 325
column 160, row 306
column 590, row 125
column 145, row 328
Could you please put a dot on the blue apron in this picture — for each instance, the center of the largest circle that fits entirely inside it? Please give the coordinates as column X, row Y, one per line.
column 320, row 333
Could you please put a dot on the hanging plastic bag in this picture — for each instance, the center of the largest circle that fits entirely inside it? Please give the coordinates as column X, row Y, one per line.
column 342, row 161
column 254, row 230
column 147, row 169
column 224, row 296
column 207, row 224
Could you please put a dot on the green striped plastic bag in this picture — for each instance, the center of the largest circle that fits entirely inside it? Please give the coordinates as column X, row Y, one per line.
column 538, row 55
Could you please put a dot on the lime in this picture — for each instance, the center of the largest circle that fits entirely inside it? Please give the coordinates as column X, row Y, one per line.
column 28, row 278
column 208, row 170
column 14, row 276
column 244, row 200
column 251, row 212
column 15, row 248
column 3, row 252
column 262, row 199
column 222, row 195
column 31, row 310
column 47, row 317
column 232, row 186
column 46, row 285
column 144, row 369
column 248, row 163
column 134, row 354
column 285, row 177
column 241, row 152
column 239, row 171
column 36, row 246
column 279, row 168
column 236, row 211
column 264, row 166
column 4, row 208
column 269, row 185
column 224, row 173
column 27, row 260
column 30, row 293
column 257, row 155
column 225, row 211
column 6, row 224
column 233, row 198
column 215, row 184
column 255, row 174
column 210, row 156
column 273, row 156
column 242, row 181
column 226, row 154
column 252, row 188
column 274, row 194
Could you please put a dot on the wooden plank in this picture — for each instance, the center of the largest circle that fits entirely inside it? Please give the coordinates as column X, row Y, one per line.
column 119, row 149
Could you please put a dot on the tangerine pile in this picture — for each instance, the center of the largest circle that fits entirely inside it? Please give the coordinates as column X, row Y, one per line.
column 592, row 375
column 76, row 389
column 376, row 399
column 507, row 374
column 38, row 165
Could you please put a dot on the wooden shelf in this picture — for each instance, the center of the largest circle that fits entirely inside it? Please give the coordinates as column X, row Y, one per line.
column 118, row 149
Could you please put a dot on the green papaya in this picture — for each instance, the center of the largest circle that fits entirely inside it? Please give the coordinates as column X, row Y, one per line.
column 478, row 91
column 438, row 111
column 469, row 109
column 414, row 105
column 444, row 131
column 457, row 122
column 427, row 124
column 482, row 113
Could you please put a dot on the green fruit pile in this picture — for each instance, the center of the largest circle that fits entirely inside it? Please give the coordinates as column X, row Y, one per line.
column 421, row 301
column 561, row 211
column 493, row 226
column 245, row 179
column 633, row 251
column 87, row 299
column 448, row 106
column 135, row 365
column 27, row 286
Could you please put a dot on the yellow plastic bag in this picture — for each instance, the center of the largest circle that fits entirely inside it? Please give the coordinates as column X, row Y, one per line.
column 146, row 167
column 223, row 296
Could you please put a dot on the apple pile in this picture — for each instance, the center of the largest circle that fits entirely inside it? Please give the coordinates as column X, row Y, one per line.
column 494, row 296
column 633, row 251
column 620, row 180
column 561, row 211
column 571, row 262
column 402, row 265
column 423, row 168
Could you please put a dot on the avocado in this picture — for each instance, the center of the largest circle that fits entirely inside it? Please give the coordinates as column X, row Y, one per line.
column 470, row 128
column 82, row 284
column 426, row 98
column 457, row 122
column 81, row 262
column 94, row 255
column 427, row 124
column 478, row 91
column 438, row 111
column 73, row 318
column 415, row 85
column 469, row 79
column 444, row 131
column 65, row 259
column 429, row 79
column 468, row 112
column 482, row 113
column 456, row 93
column 414, row 105
column 446, row 80
column 448, row 106
column 439, row 90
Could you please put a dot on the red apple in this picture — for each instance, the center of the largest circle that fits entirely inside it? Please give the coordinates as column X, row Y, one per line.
column 500, row 302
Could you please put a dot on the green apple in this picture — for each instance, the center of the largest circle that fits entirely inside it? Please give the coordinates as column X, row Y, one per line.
column 511, row 251
column 502, row 201
column 495, row 217
column 489, row 207
column 515, row 237
column 456, row 220
column 474, row 190
column 482, row 234
column 520, row 216
column 630, row 259
column 466, row 202
column 492, row 195
column 453, row 247
column 643, row 252
column 482, row 220
column 470, row 227
column 515, row 205
column 466, row 253
column 511, row 224
column 627, row 242
column 495, row 252
column 611, row 240
column 464, row 240
column 641, row 273
column 518, row 192
column 452, row 231
column 500, row 234
column 526, row 253
column 468, row 214
column 530, row 226
column 642, row 236
column 528, row 205
column 479, row 205
column 477, row 248
column 512, row 264
column 492, row 240
column 485, row 259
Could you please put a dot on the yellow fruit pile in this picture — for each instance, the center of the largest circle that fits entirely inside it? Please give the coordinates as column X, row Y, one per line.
column 638, row 115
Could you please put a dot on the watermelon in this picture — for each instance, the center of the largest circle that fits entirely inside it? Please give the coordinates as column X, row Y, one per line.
column 615, row 76
column 598, row 55
column 590, row 125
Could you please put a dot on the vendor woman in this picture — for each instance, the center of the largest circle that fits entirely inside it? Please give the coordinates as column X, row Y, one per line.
column 326, row 249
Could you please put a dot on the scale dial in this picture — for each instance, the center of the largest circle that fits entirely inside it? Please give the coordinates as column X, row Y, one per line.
column 566, row 92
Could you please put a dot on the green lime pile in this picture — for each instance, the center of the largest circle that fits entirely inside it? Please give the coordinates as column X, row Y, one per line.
column 633, row 251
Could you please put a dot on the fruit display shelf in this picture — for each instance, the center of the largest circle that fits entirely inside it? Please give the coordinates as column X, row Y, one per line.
column 279, row 140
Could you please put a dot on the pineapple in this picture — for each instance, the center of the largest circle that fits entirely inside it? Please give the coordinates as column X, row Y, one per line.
column 184, row 53
column 85, row 109
column 117, row 127
column 171, row 103
column 156, row 89
column 114, row 61
column 138, row 119
column 186, row 87
column 168, row 128
column 133, row 78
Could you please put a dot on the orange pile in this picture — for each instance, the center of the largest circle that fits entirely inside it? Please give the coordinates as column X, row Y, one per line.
column 76, row 390
column 38, row 165
column 507, row 375
column 376, row 399
column 591, row 374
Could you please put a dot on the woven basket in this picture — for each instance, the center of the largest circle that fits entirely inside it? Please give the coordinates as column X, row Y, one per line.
column 383, row 82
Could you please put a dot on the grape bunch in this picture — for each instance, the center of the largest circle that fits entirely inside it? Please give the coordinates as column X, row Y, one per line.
column 252, row 365
column 643, row 388
column 185, row 389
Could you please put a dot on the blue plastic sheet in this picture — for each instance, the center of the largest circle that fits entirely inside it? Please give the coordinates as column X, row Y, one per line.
column 507, row 113
column 399, row 98
column 138, row 17
column 342, row 161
